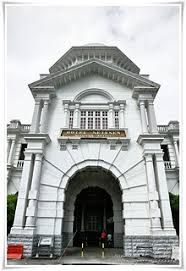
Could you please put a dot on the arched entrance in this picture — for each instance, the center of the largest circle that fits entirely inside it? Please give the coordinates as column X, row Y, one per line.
column 93, row 201
column 93, row 213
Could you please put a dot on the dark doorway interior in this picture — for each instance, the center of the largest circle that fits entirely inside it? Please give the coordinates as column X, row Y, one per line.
column 93, row 213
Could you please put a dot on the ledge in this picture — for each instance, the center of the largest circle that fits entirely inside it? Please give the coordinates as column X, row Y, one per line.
column 38, row 137
column 148, row 138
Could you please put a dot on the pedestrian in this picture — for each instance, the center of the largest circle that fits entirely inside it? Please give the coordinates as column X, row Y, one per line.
column 103, row 237
column 109, row 239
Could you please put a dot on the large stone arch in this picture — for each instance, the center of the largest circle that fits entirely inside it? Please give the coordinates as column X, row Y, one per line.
column 119, row 176
column 113, row 185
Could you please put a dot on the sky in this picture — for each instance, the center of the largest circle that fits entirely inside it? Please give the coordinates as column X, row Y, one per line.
column 37, row 36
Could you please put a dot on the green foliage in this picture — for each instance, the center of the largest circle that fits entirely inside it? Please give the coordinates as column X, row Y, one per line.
column 174, row 202
column 11, row 206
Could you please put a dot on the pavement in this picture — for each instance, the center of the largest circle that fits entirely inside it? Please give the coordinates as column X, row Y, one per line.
column 93, row 256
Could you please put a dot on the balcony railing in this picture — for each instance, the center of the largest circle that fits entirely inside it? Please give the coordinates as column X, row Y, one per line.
column 167, row 164
column 172, row 126
column 20, row 164
column 162, row 129
column 24, row 128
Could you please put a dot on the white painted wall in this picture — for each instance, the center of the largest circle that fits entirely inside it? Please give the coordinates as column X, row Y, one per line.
column 123, row 160
column 128, row 166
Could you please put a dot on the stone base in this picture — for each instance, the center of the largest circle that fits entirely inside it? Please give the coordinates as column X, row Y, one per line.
column 29, row 243
column 149, row 246
column 133, row 246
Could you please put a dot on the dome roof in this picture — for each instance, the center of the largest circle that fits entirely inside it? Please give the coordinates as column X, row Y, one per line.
column 94, row 44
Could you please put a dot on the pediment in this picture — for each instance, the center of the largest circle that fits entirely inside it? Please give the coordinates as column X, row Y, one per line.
column 94, row 66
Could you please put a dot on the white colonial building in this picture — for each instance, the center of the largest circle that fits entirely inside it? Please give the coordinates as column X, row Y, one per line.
column 94, row 157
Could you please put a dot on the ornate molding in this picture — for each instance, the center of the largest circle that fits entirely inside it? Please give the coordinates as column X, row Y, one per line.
column 90, row 91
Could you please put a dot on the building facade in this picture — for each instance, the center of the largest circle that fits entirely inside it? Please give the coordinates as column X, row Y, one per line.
column 94, row 158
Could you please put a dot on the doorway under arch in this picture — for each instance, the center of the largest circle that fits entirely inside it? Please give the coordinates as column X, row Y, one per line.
column 92, row 185
column 93, row 213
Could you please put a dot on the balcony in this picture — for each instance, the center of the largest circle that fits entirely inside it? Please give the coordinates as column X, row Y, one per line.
column 16, row 126
column 173, row 126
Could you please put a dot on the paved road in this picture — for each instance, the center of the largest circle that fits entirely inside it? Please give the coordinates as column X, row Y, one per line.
column 72, row 256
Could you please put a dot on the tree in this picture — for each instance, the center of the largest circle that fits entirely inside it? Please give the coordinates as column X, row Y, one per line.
column 11, row 206
column 174, row 202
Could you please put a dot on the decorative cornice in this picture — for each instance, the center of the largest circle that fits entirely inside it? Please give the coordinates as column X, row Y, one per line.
column 37, row 137
column 98, row 52
column 102, row 68
column 149, row 138
column 144, row 93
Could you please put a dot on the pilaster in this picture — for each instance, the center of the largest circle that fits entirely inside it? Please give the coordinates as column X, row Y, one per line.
column 12, row 147
column 122, row 105
column 176, row 151
column 44, row 115
column 36, row 116
column 19, row 218
column 151, row 117
column 8, row 147
column 66, row 114
column 76, row 116
column 164, row 195
column 111, row 116
column 143, row 117
column 33, row 194
column 153, row 195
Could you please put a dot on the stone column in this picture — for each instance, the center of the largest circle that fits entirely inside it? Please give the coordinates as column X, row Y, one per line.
column 153, row 195
column 36, row 117
column 176, row 151
column 163, row 194
column 66, row 116
column 33, row 194
column 8, row 147
column 122, row 116
column 44, row 117
column 151, row 117
column 76, row 116
column 10, row 157
column 143, row 117
column 111, row 116
column 19, row 218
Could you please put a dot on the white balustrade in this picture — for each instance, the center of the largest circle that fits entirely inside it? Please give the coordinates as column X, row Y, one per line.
column 25, row 127
column 167, row 164
column 20, row 164
column 162, row 128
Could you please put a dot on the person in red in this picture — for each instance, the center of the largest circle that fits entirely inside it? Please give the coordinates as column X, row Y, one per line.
column 103, row 237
